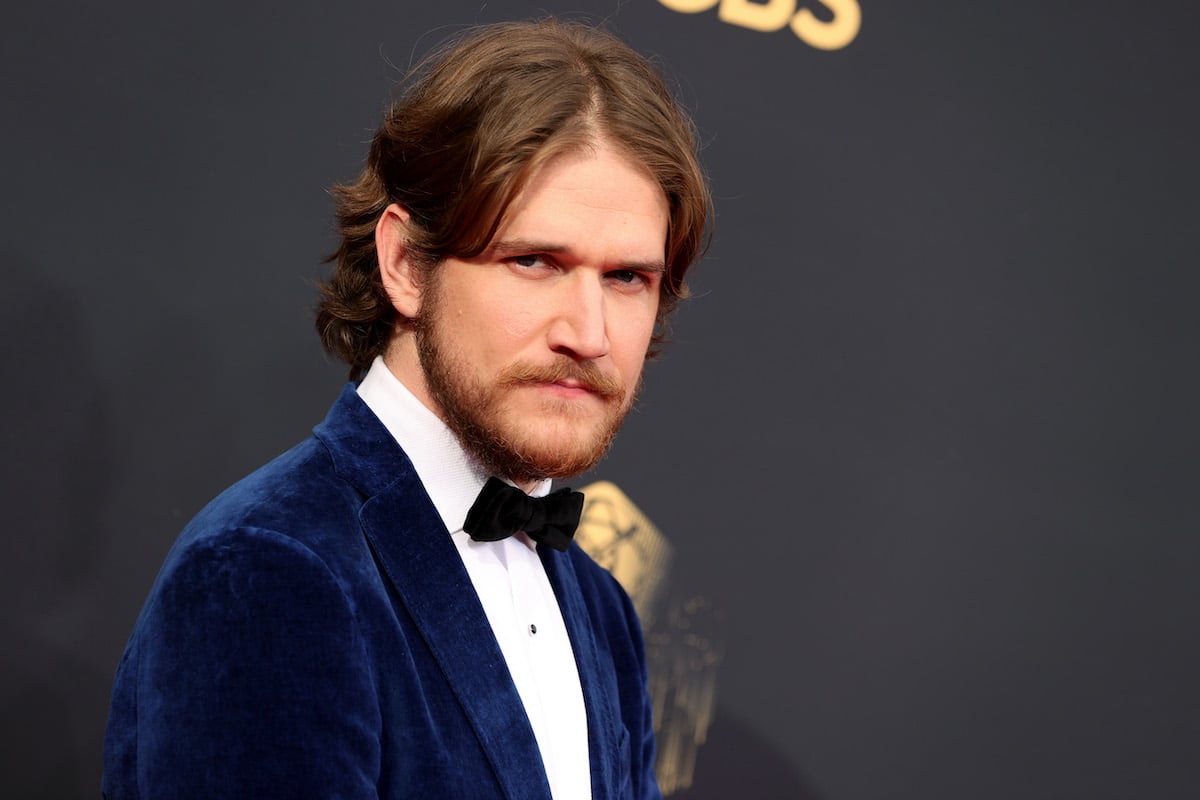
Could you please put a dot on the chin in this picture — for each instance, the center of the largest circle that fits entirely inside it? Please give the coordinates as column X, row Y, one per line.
column 563, row 456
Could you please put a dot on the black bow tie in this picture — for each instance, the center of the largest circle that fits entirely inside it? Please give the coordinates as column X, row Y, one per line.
column 502, row 510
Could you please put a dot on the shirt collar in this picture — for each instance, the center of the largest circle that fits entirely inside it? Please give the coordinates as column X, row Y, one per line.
column 451, row 477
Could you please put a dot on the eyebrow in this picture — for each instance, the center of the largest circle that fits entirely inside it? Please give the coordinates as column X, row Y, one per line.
column 507, row 247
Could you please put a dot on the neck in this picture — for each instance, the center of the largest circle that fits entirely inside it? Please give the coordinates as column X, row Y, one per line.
column 403, row 362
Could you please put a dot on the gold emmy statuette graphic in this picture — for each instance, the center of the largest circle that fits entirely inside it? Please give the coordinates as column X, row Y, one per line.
column 680, row 628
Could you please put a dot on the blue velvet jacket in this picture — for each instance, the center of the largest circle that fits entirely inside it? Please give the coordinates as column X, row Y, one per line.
column 313, row 633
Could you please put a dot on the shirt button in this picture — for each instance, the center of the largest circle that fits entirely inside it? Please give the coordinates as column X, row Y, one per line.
column 532, row 629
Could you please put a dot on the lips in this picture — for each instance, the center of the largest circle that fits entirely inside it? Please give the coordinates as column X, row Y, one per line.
column 575, row 384
column 567, row 375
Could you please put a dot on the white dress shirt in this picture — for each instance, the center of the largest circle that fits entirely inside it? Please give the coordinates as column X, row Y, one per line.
column 508, row 577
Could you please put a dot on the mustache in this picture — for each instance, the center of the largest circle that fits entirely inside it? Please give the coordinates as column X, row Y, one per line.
column 585, row 373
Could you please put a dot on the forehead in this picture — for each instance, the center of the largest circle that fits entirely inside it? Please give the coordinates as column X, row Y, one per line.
column 594, row 198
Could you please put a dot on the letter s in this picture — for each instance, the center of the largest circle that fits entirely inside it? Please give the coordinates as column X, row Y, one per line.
column 833, row 35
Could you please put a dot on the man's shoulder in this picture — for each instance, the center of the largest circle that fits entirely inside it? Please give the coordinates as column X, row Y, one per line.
column 317, row 486
column 296, row 502
column 300, row 487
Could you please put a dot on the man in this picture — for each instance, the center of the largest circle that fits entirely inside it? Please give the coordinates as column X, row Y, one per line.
column 350, row 620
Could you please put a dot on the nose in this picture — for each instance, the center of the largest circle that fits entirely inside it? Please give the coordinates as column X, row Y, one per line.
column 580, row 327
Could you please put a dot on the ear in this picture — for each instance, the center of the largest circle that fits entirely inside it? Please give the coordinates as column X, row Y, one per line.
column 399, row 276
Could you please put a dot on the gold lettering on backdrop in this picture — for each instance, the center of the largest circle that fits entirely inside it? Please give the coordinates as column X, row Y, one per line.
column 833, row 35
column 773, row 15
column 689, row 6
column 769, row 16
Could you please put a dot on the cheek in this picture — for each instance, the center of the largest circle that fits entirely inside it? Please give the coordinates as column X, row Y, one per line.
column 498, row 332
column 517, row 324
column 486, row 313
column 630, row 339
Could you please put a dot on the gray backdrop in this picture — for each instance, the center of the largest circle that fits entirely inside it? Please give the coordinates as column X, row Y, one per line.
column 925, row 434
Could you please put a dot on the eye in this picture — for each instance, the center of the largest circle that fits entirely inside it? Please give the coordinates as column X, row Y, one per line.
column 529, row 261
column 630, row 277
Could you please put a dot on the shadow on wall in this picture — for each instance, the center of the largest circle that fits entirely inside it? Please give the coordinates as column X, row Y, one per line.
column 736, row 762
column 57, row 449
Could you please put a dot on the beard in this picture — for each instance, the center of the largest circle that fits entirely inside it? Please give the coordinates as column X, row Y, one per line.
column 558, row 439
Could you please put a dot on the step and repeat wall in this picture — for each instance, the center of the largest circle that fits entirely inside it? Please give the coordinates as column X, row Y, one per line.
column 915, row 481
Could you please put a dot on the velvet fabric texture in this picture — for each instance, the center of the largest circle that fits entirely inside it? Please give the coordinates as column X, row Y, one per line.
column 314, row 634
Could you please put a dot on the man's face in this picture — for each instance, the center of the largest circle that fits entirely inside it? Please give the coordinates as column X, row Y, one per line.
column 532, row 352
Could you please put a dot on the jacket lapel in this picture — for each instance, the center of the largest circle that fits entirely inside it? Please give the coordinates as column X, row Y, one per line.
column 604, row 724
column 419, row 558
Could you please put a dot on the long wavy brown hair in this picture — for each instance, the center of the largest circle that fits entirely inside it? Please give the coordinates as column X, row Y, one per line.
column 477, row 118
